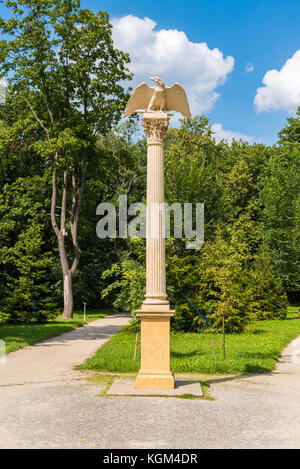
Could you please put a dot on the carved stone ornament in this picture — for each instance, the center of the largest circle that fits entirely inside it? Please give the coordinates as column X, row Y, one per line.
column 155, row 129
column 158, row 98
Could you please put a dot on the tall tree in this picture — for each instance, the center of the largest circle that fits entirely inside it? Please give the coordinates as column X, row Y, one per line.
column 279, row 216
column 291, row 132
column 26, row 262
column 63, row 67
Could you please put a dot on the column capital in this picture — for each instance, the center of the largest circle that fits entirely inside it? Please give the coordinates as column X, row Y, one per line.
column 155, row 125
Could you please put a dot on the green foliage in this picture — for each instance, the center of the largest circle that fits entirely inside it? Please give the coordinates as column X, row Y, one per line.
column 64, row 67
column 128, row 288
column 291, row 132
column 226, row 280
column 212, row 278
column 63, row 91
column 266, row 292
column 29, row 301
column 193, row 165
column 279, row 216
column 23, row 255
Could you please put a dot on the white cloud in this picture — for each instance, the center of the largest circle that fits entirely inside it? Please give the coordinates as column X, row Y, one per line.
column 282, row 88
column 228, row 135
column 168, row 53
column 249, row 67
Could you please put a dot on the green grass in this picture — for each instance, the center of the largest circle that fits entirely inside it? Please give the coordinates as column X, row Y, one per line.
column 254, row 351
column 17, row 336
column 188, row 396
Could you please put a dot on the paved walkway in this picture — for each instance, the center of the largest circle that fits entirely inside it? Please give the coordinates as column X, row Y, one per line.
column 51, row 362
column 44, row 404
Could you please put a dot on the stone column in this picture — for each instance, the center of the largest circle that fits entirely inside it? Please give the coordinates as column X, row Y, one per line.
column 155, row 313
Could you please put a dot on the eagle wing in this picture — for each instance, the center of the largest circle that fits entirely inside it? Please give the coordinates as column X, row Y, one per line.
column 139, row 99
column 177, row 100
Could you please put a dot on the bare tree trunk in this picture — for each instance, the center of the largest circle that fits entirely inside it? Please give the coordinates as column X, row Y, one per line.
column 67, row 278
column 68, row 295
column 68, row 272
column 60, row 233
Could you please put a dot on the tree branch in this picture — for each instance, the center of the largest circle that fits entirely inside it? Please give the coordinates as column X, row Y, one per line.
column 53, row 201
column 63, row 204
column 36, row 117
column 74, row 223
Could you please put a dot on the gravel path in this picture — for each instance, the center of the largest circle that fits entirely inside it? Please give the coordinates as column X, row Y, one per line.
column 59, row 409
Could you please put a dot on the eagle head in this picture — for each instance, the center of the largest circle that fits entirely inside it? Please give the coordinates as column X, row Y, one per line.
column 158, row 81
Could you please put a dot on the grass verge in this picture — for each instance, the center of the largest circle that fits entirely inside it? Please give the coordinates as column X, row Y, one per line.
column 18, row 335
column 254, row 351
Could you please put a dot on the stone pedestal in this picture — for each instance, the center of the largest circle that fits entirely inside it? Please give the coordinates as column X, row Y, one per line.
column 155, row 370
column 155, row 313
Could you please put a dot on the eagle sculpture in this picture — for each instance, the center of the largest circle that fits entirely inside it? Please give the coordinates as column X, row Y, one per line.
column 158, row 98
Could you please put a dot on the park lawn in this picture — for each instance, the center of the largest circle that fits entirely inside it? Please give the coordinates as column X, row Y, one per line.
column 254, row 351
column 21, row 335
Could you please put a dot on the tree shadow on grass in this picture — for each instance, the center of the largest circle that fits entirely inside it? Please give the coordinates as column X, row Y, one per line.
column 251, row 368
column 251, row 362
column 256, row 355
column 258, row 331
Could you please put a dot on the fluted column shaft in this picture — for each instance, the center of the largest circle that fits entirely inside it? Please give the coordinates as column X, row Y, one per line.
column 155, row 242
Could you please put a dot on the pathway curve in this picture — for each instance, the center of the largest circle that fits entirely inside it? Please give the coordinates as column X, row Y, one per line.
column 40, row 407
column 51, row 362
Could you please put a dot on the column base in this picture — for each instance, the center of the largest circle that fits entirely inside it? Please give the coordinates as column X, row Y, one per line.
column 155, row 381
column 155, row 372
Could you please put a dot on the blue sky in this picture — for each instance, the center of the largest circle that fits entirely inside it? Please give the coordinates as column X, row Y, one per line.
column 265, row 33
column 262, row 33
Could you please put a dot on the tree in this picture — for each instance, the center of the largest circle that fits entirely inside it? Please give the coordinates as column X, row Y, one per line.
column 25, row 259
column 129, row 286
column 194, row 165
column 64, row 75
column 122, row 171
column 291, row 132
column 224, row 273
column 279, row 220
column 266, row 292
